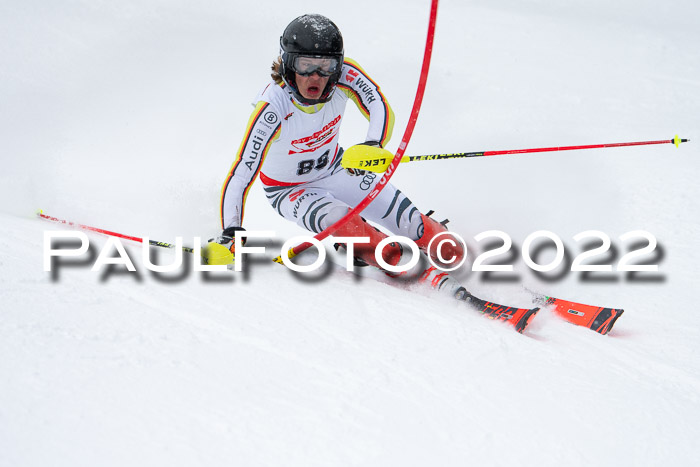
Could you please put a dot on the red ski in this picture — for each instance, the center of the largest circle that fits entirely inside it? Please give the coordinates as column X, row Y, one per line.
column 599, row 319
column 518, row 317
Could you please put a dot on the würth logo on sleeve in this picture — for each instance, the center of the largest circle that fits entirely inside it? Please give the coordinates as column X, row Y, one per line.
column 366, row 89
column 362, row 85
column 350, row 77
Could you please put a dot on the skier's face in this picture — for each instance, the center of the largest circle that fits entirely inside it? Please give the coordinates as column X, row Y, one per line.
column 311, row 86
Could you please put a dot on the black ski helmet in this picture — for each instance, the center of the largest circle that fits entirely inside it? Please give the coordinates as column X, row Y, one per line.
column 313, row 36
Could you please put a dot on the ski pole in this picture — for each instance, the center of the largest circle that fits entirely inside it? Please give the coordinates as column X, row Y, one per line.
column 376, row 159
column 41, row 214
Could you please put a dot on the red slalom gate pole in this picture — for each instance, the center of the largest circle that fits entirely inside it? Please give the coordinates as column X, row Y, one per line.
column 292, row 252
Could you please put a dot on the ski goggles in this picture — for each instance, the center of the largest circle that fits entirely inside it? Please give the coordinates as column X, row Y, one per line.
column 324, row 66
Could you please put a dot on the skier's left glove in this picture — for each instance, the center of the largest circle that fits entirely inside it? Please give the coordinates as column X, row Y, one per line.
column 222, row 249
column 359, row 172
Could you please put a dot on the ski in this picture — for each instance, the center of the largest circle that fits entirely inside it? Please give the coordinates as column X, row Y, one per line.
column 517, row 317
column 442, row 282
column 598, row 318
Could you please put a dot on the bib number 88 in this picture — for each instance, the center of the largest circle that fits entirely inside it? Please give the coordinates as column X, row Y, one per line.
column 307, row 165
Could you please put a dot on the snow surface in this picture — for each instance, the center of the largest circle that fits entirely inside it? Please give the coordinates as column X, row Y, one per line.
column 126, row 115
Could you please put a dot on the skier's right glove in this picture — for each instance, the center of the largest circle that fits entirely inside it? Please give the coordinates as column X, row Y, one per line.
column 222, row 249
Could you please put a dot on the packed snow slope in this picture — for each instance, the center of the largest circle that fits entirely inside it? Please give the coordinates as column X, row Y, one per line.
column 126, row 116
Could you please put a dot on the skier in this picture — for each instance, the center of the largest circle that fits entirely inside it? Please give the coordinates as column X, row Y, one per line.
column 291, row 142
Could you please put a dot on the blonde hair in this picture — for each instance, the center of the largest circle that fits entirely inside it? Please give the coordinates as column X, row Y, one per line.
column 276, row 66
